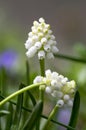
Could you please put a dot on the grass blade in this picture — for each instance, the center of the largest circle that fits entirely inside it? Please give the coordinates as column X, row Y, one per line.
column 75, row 111
column 34, row 117
column 9, row 118
column 2, row 80
column 66, row 57
column 18, row 110
column 43, row 116
column 4, row 112
column 31, row 96
column 27, row 73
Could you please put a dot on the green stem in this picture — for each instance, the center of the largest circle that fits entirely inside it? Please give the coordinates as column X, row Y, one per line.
column 50, row 117
column 19, row 92
column 41, row 88
column 42, row 67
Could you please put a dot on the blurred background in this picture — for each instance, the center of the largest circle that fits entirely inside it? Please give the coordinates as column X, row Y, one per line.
column 68, row 22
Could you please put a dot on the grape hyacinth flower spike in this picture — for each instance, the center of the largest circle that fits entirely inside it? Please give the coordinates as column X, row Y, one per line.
column 41, row 41
column 59, row 87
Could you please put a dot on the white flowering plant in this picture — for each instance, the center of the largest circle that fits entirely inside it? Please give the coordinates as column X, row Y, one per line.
column 63, row 91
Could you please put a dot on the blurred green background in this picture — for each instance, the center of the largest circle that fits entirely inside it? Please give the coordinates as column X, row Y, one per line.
column 68, row 22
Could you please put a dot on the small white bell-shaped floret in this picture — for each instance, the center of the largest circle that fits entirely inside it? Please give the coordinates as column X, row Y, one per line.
column 41, row 55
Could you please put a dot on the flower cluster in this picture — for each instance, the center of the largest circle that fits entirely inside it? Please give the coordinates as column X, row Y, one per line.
column 41, row 41
column 58, row 87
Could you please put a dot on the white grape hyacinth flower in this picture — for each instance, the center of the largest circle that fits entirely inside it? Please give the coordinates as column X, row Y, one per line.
column 41, row 39
column 59, row 87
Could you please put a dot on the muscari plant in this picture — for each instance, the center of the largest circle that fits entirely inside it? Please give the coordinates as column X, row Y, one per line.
column 41, row 42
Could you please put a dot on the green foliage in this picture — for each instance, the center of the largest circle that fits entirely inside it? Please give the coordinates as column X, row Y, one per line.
column 18, row 111
column 3, row 113
column 34, row 117
column 15, row 112
column 75, row 111
column 9, row 118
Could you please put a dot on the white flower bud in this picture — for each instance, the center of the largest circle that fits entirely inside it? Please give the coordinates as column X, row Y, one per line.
column 54, row 43
column 70, row 103
column 35, row 31
column 48, row 73
column 52, row 37
column 41, row 20
column 47, row 26
column 59, row 86
column 45, row 31
column 61, row 77
column 72, row 91
column 38, row 79
column 47, row 47
column 38, row 45
column 55, row 75
column 27, row 46
column 66, row 97
column 29, row 41
column 47, row 36
column 64, row 81
column 54, row 83
column 60, row 103
column 54, row 93
column 33, row 28
column 50, row 31
column 40, row 35
column 35, row 23
column 41, row 54
column 39, row 29
column 35, row 38
column 48, row 89
column 50, row 55
column 31, row 52
column 30, row 34
column 59, row 94
column 43, row 40
column 50, row 42
column 54, row 49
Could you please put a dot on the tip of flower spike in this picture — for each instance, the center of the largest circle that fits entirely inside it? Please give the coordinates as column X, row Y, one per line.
column 41, row 20
column 35, row 23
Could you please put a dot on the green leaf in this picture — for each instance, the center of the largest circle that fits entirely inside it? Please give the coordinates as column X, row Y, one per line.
column 28, row 82
column 4, row 113
column 75, row 111
column 9, row 118
column 66, row 57
column 3, row 78
column 31, row 96
column 27, row 73
column 18, row 111
column 34, row 117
